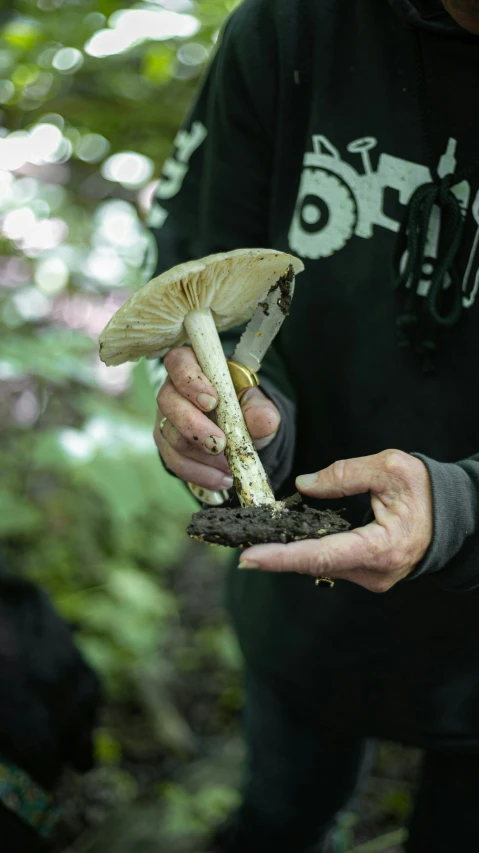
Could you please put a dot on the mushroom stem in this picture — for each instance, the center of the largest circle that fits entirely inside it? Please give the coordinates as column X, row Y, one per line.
column 249, row 477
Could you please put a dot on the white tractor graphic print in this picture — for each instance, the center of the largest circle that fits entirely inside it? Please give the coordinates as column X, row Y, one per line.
column 336, row 202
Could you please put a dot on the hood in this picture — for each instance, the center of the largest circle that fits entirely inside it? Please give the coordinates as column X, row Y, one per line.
column 430, row 15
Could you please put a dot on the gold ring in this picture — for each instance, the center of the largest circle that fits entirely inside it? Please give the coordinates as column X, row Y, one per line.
column 324, row 582
column 162, row 423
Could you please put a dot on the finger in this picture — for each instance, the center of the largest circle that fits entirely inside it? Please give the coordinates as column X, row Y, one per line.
column 374, row 580
column 261, row 416
column 370, row 579
column 192, row 424
column 193, row 450
column 379, row 473
column 366, row 549
column 190, row 470
column 188, row 379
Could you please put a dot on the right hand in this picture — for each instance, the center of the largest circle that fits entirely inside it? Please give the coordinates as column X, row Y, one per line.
column 190, row 444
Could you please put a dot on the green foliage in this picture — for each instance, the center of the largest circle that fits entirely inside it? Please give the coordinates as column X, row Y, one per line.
column 382, row 843
column 397, row 802
column 86, row 508
column 187, row 812
column 16, row 516
column 107, row 748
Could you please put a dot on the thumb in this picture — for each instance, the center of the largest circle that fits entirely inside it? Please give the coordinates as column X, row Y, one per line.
column 261, row 416
column 348, row 477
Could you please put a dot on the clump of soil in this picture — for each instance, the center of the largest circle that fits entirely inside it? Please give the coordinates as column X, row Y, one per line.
column 285, row 298
column 286, row 521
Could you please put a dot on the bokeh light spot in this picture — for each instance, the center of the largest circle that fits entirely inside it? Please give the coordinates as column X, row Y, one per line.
column 104, row 265
column 31, row 305
column 92, row 147
column 128, row 168
column 128, row 27
column 68, row 60
column 193, row 54
column 7, row 91
column 51, row 275
column 76, row 445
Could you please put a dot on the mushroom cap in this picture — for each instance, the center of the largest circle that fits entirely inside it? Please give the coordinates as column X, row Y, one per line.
column 230, row 284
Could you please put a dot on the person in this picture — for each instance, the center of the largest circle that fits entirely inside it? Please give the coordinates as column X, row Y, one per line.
column 344, row 132
column 50, row 701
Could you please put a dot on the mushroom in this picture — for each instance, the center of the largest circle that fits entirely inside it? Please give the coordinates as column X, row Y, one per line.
column 193, row 302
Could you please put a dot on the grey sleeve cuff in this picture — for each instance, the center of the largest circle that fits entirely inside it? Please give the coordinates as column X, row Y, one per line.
column 453, row 556
column 277, row 457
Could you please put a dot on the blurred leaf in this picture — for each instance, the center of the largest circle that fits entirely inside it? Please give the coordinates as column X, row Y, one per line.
column 199, row 812
column 102, row 656
column 56, row 355
column 16, row 516
column 86, row 508
column 169, row 726
column 383, row 843
column 220, row 641
column 22, row 33
column 215, row 802
column 141, row 399
column 180, row 816
column 158, row 63
column 107, row 748
column 139, row 592
column 397, row 802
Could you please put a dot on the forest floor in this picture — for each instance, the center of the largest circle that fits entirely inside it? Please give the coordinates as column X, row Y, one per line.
column 148, row 796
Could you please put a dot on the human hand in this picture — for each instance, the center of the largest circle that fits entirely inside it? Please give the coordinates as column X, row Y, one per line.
column 190, row 444
column 378, row 555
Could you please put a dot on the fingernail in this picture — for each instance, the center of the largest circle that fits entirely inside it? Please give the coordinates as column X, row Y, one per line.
column 306, row 480
column 214, row 444
column 227, row 482
column 206, row 402
column 261, row 443
column 248, row 564
column 250, row 392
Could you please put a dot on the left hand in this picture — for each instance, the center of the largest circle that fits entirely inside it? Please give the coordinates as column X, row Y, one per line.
column 378, row 555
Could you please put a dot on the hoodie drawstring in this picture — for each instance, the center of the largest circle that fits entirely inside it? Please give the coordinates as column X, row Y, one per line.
column 443, row 308
column 423, row 316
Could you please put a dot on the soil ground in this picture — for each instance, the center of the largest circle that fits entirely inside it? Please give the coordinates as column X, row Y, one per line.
column 239, row 527
column 159, row 797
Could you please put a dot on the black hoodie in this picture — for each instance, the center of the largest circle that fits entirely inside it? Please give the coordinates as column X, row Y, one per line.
column 314, row 126
column 432, row 16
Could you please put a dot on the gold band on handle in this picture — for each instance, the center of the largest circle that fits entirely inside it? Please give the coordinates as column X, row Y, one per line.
column 242, row 377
